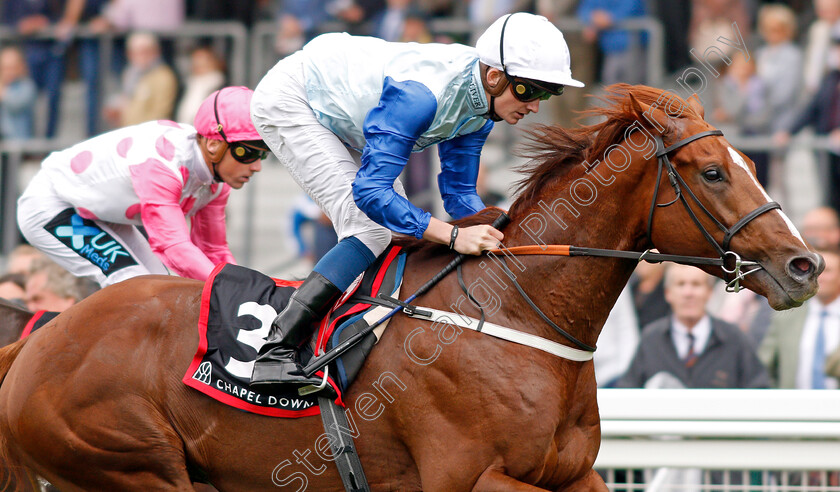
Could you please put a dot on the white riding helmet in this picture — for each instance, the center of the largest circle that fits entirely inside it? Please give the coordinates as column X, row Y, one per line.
column 528, row 46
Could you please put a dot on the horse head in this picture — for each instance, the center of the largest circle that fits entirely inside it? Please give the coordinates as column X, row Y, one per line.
column 709, row 203
column 653, row 174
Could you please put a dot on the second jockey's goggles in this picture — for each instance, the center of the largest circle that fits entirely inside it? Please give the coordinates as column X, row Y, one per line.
column 526, row 90
column 241, row 151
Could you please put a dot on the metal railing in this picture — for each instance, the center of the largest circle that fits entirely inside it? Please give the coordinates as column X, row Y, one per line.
column 769, row 435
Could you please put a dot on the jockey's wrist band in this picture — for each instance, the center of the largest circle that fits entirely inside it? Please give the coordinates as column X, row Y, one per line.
column 452, row 237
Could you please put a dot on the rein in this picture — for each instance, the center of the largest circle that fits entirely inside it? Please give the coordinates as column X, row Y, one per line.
column 678, row 184
column 726, row 256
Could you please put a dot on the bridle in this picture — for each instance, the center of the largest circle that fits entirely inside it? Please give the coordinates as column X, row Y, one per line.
column 681, row 188
column 679, row 185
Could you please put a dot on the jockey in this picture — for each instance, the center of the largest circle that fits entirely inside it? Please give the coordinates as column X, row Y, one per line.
column 386, row 100
column 84, row 207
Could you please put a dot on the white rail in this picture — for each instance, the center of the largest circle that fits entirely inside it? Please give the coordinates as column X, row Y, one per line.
column 720, row 429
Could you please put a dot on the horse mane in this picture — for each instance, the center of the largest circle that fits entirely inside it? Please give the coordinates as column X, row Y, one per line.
column 552, row 150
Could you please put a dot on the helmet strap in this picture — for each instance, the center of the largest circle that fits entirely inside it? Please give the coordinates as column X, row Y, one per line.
column 493, row 90
column 204, row 150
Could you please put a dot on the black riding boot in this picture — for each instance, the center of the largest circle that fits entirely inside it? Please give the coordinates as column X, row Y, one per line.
column 278, row 361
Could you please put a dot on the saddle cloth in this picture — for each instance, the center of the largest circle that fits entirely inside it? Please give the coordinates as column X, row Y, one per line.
column 237, row 307
column 39, row 319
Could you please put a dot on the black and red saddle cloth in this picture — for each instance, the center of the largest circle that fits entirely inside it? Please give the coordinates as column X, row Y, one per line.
column 39, row 319
column 237, row 307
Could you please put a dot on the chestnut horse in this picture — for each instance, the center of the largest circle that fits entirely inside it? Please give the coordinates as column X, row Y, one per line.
column 444, row 410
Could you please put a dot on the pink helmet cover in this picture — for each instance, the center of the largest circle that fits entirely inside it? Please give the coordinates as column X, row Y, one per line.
column 233, row 107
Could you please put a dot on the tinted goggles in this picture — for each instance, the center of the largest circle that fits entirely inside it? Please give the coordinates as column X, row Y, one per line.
column 527, row 90
column 245, row 153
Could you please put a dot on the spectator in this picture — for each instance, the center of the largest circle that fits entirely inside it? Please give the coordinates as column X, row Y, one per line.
column 676, row 19
column 244, row 11
column 822, row 113
column 821, row 228
column 712, row 18
column 21, row 259
column 206, row 75
column 13, row 288
column 88, row 54
column 390, row 22
column 298, row 21
column 44, row 57
column 796, row 346
column 415, row 28
column 141, row 15
column 617, row 341
column 648, row 291
column 623, row 53
column 149, row 86
column 18, row 94
column 742, row 101
column 52, row 288
column 779, row 63
column 818, row 44
column 698, row 350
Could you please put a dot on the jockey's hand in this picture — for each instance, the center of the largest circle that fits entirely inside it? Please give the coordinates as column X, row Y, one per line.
column 473, row 240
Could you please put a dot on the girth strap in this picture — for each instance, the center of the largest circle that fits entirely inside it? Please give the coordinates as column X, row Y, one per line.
column 343, row 449
column 498, row 331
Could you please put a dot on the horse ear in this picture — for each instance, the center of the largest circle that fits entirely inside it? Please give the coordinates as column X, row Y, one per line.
column 696, row 105
column 650, row 117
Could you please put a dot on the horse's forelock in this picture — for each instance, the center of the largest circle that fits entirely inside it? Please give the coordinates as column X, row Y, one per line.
column 553, row 150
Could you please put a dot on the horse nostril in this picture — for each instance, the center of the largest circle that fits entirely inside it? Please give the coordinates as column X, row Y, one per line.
column 801, row 267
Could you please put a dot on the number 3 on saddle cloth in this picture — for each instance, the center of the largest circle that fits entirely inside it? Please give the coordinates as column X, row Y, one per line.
column 237, row 308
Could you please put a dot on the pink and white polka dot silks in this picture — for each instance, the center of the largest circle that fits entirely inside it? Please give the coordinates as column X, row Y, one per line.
column 153, row 175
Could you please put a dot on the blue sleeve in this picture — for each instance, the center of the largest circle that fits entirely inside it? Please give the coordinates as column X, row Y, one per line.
column 459, row 160
column 406, row 110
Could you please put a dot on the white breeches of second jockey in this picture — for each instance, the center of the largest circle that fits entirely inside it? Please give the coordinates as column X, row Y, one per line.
column 315, row 157
column 102, row 251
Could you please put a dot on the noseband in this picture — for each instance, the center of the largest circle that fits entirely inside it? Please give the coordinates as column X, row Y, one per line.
column 681, row 188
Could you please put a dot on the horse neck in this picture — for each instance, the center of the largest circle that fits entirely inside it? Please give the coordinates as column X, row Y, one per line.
column 578, row 293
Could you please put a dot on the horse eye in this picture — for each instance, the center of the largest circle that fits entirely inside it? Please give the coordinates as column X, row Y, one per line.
column 712, row 175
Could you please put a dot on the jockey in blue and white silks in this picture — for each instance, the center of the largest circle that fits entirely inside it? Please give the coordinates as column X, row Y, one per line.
column 342, row 93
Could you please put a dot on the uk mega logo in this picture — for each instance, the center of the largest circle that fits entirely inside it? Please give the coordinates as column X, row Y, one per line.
column 87, row 239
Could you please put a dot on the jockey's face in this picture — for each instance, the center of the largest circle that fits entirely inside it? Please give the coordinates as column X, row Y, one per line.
column 232, row 172
column 506, row 105
column 235, row 173
column 511, row 109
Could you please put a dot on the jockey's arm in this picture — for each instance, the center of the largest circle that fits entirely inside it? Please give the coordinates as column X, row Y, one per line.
column 208, row 229
column 405, row 110
column 159, row 191
column 459, row 162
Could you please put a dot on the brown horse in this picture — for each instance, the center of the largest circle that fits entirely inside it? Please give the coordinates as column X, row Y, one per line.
column 435, row 410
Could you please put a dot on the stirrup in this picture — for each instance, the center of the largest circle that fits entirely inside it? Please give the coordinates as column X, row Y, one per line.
column 313, row 388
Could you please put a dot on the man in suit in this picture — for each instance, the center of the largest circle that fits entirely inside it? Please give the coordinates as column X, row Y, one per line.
column 689, row 348
column 798, row 343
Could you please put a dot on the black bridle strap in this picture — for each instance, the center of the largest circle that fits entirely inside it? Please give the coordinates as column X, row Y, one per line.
column 746, row 219
column 679, row 185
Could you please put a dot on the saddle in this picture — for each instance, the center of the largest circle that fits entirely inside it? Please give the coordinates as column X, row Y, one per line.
column 237, row 307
